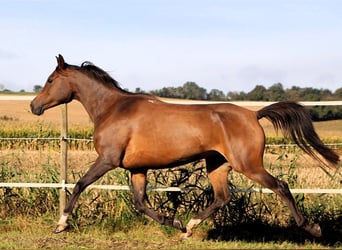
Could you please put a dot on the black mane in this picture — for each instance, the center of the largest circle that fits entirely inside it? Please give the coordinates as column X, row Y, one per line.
column 102, row 77
column 98, row 74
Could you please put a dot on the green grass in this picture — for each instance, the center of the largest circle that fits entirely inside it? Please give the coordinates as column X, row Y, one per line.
column 26, row 233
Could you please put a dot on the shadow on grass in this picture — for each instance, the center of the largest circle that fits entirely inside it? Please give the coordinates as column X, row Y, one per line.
column 261, row 232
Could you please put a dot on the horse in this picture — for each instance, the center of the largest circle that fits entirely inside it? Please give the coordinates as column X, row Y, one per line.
column 139, row 132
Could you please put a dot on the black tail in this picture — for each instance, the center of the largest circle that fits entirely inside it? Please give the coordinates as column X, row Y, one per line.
column 295, row 122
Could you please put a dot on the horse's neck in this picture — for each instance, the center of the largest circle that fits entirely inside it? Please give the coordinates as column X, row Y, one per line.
column 95, row 98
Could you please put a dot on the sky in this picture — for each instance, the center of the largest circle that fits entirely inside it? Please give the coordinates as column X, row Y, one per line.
column 230, row 45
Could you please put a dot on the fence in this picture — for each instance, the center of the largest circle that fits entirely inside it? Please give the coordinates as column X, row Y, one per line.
column 63, row 185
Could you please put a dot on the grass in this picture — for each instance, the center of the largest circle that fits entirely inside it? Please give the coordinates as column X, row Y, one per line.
column 107, row 219
column 23, row 233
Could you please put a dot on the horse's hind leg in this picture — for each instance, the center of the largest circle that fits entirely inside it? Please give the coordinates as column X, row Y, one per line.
column 281, row 188
column 217, row 173
column 139, row 191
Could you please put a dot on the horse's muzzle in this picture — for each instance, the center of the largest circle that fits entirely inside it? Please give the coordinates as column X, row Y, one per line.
column 36, row 109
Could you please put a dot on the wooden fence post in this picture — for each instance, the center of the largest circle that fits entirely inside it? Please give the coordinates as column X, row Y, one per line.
column 64, row 157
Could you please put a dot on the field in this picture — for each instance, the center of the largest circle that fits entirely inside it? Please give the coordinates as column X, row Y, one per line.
column 106, row 219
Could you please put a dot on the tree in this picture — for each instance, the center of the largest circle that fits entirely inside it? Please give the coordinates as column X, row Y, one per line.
column 338, row 93
column 276, row 93
column 257, row 94
column 169, row 92
column 139, row 90
column 216, row 95
column 192, row 91
column 310, row 94
column 326, row 94
column 236, row 96
column 293, row 93
column 37, row 88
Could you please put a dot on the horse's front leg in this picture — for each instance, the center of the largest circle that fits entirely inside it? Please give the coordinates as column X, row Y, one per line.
column 139, row 190
column 98, row 169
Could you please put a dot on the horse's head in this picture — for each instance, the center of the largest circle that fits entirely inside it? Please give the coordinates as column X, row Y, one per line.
column 57, row 89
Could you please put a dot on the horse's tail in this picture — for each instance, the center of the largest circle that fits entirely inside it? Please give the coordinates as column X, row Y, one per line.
column 295, row 122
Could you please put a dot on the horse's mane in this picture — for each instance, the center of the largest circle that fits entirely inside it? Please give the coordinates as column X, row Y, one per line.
column 103, row 77
column 99, row 74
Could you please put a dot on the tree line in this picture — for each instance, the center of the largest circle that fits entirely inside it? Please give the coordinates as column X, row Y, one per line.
column 276, row 92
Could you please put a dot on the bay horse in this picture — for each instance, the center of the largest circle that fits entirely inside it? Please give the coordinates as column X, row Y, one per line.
column 139, row 132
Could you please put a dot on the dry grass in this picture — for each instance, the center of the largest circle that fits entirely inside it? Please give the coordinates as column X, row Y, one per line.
column 307, row 171
column 19, row 112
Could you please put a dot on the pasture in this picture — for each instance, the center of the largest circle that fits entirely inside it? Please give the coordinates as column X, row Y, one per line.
column 107, row 219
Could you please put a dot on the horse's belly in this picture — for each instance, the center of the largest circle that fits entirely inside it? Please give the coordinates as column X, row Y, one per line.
column 168, row 144
column 160, row 156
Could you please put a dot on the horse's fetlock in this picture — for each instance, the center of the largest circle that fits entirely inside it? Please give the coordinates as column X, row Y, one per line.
column 302, row 223
column 140, row 209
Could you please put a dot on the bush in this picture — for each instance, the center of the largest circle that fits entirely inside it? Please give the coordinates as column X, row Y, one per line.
column 325, row 113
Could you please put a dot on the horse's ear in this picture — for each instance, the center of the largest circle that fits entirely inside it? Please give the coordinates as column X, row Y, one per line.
column 60, row 62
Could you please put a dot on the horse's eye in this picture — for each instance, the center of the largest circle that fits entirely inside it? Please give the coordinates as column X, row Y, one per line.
column 50, row 80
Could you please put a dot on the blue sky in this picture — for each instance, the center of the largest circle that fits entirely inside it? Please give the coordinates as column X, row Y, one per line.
column 227, row 45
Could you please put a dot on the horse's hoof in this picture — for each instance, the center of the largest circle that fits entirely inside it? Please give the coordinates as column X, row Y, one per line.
column 314, row 230
column 60, row 228
column 185, row 235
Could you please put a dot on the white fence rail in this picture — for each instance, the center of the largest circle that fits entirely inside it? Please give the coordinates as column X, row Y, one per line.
column 65, row 186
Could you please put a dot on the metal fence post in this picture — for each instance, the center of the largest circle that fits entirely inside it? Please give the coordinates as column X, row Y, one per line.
column 64, row 157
